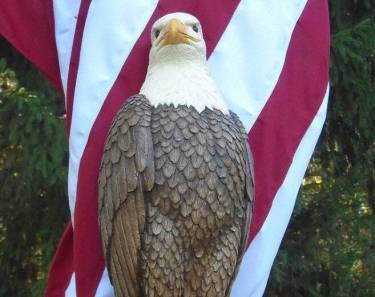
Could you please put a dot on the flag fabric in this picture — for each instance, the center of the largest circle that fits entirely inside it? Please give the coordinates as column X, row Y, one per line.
column 270, row 60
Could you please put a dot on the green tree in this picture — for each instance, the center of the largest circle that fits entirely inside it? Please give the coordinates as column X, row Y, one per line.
column 33, row 160
column 329, row 246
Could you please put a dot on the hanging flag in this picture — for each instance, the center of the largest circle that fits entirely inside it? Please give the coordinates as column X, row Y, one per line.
column 270, row 60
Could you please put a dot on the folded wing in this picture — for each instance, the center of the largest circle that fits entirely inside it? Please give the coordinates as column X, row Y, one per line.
column 126, row 175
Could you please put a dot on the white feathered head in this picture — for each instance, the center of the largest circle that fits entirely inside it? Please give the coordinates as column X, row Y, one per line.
column 174, row 33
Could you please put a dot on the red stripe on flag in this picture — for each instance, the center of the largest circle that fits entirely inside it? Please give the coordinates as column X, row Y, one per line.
column 74, row 61
column 29, row 26
column 89, row 264
column 292, row 106
column 62, row 266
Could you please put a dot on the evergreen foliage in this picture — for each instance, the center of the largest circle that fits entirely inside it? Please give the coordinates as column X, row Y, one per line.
column 33, row 160
column 329, row 246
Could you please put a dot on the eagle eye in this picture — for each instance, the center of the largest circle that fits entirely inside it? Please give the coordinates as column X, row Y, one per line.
column 156, row 33
column 195, row 28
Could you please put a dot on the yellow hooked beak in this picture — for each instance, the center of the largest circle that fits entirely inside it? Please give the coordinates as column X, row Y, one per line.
column 175, row 33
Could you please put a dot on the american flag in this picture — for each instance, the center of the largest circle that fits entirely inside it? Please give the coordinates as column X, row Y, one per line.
column 270, row 60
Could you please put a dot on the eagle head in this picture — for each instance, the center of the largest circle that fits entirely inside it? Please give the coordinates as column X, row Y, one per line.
column 177, row 36
column 178, row 71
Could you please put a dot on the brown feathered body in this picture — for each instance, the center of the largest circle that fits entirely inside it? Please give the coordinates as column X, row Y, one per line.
column 175, row 200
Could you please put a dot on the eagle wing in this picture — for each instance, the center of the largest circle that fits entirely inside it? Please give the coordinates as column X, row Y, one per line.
column 249, row 190
column 249, row 193
column 126, row 173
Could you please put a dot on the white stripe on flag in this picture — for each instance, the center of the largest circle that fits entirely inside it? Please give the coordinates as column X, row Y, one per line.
column 104, row 288
column 65, row 13
column 110, row 33
column 258, row 259
column 247, row 62
column 71, row 289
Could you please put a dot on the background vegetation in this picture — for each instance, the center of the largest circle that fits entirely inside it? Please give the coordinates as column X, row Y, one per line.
column 329, row 247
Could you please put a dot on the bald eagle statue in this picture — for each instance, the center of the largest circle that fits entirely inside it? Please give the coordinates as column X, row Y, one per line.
column 176, row 179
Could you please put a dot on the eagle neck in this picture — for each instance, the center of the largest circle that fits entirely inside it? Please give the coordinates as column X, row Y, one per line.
column 182, row 82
